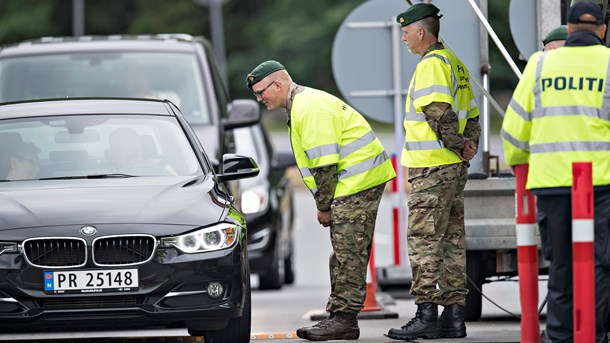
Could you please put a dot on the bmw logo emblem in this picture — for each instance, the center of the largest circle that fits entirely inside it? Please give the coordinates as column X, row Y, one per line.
column 88, row 230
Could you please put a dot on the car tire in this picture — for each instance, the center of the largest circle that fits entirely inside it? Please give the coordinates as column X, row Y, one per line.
column 238, row 329
column 474, row 298
column 289, row 270
column 273, row 278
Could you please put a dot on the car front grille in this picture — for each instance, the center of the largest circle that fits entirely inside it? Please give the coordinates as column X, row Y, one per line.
column 123, row 250
column 55, row 252
column 72, row 252
column 89, row 302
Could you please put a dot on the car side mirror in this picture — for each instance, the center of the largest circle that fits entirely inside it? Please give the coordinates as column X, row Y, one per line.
column 242, row 112
column 283, row 160
column 236, row 167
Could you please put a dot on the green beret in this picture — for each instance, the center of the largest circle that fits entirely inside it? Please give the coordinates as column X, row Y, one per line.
column 261, row 71
column 558, row 33
column 417, row 12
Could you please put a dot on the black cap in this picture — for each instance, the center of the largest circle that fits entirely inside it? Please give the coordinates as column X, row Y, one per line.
column 585, row 7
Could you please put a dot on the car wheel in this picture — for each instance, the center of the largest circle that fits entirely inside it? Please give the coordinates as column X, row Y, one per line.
column 273, row 278
column 474, row 298
column 289, row 270
column 238, row 329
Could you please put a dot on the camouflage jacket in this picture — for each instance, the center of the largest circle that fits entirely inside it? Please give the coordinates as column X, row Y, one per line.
column 326, row 182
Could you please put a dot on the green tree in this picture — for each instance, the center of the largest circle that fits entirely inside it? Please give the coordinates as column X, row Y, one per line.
column 27, row 19
column 297, row 33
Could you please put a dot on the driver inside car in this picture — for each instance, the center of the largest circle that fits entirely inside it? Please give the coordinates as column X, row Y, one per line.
column 24, row 162
column 126, row 155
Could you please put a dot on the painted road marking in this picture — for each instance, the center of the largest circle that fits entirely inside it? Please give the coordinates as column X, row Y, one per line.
column 274, row 335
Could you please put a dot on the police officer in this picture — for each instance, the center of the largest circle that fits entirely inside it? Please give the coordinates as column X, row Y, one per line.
column 442, row 134
column 346, row 167
column 556, row 38
column 559, row 114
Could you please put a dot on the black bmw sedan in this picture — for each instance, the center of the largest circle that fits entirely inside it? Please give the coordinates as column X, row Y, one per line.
column 110, row 213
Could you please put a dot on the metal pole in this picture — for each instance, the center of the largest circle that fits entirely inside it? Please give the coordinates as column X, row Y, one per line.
column 218, row 40
column 400, row 137
column 217, row 33
column 78, row 17
column 495, row 38
column 484, row 45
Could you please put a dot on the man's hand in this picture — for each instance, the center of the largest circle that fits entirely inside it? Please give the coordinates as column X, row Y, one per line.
column 325, row 218
column 469, row 150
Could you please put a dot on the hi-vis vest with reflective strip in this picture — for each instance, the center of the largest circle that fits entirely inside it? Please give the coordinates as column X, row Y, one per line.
column 559, row 115
column 324, row 130
column 439, row 77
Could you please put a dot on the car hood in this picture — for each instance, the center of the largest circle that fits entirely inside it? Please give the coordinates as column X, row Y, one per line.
column 164, row 200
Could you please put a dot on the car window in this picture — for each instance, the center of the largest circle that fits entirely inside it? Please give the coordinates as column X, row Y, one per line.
column 160, row 75
column 221, row 90
column 73, row 146
column 249, row 142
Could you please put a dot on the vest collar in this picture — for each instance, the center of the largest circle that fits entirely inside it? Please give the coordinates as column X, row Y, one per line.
column 583, row 38
column 293, row 90
column 435, row 46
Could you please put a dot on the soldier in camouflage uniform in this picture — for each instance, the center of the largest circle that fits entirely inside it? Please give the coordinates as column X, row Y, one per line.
column 346, row 168
column 442, row 133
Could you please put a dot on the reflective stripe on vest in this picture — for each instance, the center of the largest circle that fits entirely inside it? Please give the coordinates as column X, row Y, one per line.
column 325, row 131
column 586, row 132
column 422, row 148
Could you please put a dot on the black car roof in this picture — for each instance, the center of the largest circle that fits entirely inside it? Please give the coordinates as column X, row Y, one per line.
column 50, row 107
column 49, row 45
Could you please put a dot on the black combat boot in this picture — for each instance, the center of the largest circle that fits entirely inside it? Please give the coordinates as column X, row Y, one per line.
column 452, row 321
column 338, row 326
column 424, row 325
column 323, row 323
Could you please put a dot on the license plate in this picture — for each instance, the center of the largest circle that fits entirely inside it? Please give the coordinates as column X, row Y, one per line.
column 91, row 281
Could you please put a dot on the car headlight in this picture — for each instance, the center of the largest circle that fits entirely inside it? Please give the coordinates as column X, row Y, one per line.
column 213, row 238
column 254, row 200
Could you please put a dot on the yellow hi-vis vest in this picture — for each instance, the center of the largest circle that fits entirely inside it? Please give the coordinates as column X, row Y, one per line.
column 559, row 115
column 439, row 77
column 324, row 131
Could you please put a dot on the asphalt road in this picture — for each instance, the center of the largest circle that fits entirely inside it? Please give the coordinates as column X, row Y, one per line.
column 280, row 312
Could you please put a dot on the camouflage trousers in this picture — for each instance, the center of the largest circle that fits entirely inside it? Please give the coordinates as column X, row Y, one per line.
column 436, row 234
column 351, row 236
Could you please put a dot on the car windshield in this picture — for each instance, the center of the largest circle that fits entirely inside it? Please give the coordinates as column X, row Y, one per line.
column 159, row 75
column 94, row 146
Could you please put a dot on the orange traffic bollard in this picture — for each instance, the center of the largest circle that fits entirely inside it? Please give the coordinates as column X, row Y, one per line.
column 370, row 302
column 527, row 257
column 372, row 309
column 583, row 270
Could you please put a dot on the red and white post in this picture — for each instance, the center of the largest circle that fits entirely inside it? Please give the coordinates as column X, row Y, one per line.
column 396, row 214
column 583, row 267
column 527, row 256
